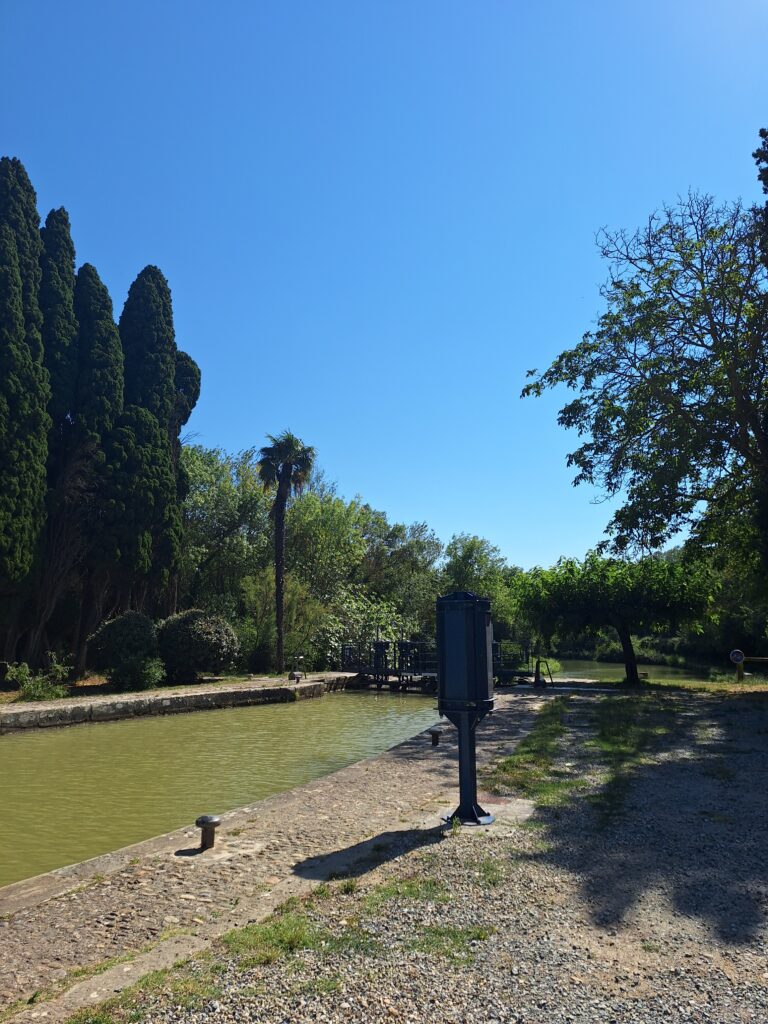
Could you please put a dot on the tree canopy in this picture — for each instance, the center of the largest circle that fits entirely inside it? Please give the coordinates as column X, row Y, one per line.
column 648, row 595
column 673, row 383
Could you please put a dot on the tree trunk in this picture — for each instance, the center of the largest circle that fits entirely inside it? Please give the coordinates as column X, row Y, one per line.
column 91, row 607
column 630, row 662
column 281, row 500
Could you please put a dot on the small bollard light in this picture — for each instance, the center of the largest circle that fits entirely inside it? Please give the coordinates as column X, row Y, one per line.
column 435, row 734
column 208, row 823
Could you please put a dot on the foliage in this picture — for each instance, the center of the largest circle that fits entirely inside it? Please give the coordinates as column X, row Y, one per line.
column 673, row 384
column 149, row 345
column 304, row 618
column 192, row 642
column 128, row 637
column 24, row 421
column 650, row 594
column 90, row 489
column 476, row 565
column 99, row 386
column 356, row 615
column 226, row 527
column 133, row 674
column 126, row 648
column 48, row 685
column 59, row 328
column 328, row 542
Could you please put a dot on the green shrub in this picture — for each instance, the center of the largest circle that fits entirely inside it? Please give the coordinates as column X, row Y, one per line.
column 125, row 649
column 43, row 686
column 195, row 641
column 137, row 674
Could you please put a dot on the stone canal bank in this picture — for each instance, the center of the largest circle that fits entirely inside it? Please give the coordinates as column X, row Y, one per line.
column 149, row 905
column 205, row 697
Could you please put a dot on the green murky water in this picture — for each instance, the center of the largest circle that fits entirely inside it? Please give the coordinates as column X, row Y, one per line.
column 72, row 793
column 605, row 671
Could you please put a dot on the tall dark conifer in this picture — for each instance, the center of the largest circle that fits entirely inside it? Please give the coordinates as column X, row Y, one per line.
column 149, row 345
column 100, row 380
column 59, row 328
column 77, row 502
column 164, row 383
column 24, row 391
column 23, row 428
column 18, row 209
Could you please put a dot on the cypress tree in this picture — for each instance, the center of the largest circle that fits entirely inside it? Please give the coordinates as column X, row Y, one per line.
column 139, row 496
column 149, row 345
column 99, row 384
column 186, row 381
column 59, row 331
column 165, row 383
column 23, row 425
column 18, row 209
column 93, row 403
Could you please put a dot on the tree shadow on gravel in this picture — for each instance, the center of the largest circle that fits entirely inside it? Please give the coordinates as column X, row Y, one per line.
column 690, row 820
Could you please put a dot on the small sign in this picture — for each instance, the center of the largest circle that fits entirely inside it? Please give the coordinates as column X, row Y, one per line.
column 737, row 656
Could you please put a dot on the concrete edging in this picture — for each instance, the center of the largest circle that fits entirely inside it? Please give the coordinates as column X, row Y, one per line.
column 114, row 708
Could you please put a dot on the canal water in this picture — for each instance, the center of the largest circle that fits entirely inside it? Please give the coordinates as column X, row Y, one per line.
column 71, row 793
column 604, row 671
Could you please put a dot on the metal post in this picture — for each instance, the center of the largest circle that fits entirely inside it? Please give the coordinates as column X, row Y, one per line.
column 208, row 823
column 469, row 811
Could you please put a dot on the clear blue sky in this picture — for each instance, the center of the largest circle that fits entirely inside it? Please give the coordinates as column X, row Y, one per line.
column 375, row 216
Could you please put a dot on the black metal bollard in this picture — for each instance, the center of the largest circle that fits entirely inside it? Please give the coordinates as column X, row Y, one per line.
column 465, row 686
column 208, row 823
column 435, row 734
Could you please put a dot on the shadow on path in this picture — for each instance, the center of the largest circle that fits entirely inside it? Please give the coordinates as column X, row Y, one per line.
column 360, row 858
column 693, row 824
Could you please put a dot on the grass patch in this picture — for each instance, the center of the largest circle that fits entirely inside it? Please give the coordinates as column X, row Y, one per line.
column 449, row 943
column 490, row 872
column 287, row 932
column 408, row 889
column 189, row 985
column 270, row 940
column 528, row 771
column 322, row 986
column 626, row 727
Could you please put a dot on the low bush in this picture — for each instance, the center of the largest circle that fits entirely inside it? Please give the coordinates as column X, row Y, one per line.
column 196, row 641
column 137, row 674
column 47, row 685
column 125, row 649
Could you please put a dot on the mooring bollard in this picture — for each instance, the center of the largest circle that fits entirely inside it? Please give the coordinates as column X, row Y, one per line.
column 208, row 823
column 435, row 734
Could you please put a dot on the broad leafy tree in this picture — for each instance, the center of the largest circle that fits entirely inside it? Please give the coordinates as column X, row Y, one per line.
column 647, row 595
column 474, row 564
column 284, row 464
column 226, row 528
column 672, row 385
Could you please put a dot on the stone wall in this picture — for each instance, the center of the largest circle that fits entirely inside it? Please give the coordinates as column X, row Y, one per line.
column 112, row 708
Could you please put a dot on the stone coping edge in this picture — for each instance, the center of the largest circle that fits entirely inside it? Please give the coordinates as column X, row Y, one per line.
column 112, row 709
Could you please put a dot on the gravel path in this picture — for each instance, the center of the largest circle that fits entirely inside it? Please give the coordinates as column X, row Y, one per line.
column 641, row 898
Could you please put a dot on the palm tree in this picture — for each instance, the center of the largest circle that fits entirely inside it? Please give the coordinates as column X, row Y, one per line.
column 285, row 463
